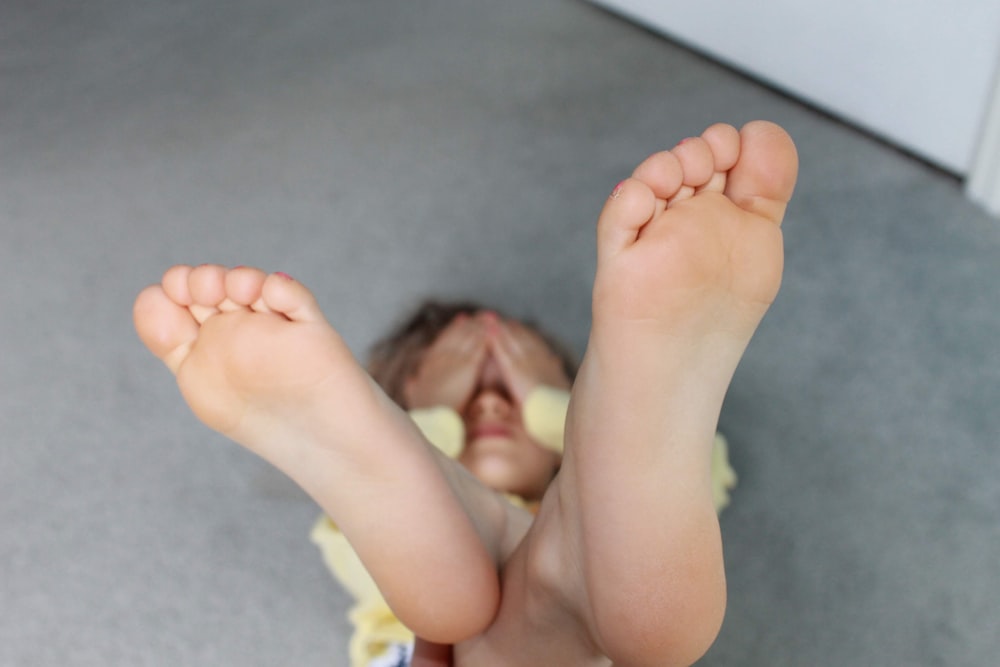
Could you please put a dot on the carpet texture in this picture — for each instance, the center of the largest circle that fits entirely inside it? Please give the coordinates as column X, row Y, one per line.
column 383, row 151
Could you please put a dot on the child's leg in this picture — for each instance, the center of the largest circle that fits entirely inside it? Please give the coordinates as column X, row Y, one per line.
column 689, row 259
column 256, row 361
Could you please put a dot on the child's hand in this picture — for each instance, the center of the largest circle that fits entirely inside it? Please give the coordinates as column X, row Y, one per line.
column 524, row 358
column 448, row 373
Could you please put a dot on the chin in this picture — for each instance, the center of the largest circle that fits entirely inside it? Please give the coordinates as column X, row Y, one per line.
column 495, row 474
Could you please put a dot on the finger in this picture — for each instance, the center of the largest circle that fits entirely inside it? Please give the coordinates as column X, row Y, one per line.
column 476, row 355
column 502, row 344
column 529, row 340
column 505, row 335
column 463, row 333
column 513, row 336
column 511, row 365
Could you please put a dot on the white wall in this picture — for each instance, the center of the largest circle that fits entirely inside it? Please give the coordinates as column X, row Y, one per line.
column 916, row 72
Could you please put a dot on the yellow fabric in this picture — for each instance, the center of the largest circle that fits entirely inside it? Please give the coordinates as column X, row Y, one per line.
column 723, row 476
column 544, row 414
column 442, row 427
column 375, row 626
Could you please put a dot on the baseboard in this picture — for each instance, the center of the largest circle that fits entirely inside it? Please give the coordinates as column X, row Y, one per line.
column 983, row 182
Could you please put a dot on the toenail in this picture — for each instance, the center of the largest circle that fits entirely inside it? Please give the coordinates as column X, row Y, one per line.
column 616, row 193
column 284, row 275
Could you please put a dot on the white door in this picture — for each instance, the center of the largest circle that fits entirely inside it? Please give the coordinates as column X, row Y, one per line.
column 916, row 72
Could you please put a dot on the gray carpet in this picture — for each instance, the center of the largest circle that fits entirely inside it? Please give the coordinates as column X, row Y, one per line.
column 381, row 151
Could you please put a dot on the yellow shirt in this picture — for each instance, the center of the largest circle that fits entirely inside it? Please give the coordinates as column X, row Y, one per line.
column 376, row 629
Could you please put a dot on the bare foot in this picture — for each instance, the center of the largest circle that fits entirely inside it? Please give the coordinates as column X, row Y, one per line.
column 249, row 349
column 256, row 360
column 689, row 259
column 694, row 234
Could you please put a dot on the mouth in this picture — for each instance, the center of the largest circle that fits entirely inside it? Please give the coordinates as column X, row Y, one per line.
column 491, row 431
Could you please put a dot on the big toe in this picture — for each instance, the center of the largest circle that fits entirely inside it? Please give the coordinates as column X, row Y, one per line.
column 165, row 327
column 764, row 176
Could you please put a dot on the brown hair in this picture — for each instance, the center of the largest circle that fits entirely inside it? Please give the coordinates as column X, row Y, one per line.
column 397, row 356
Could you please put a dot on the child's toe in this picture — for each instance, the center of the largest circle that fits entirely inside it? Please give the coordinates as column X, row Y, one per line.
column 696, row 160
column 175, row 284
column 764, row 176
column 165, row 327
column 631, row 205
column 207, row 284
column 662, row 173
column 724, row 142
column 283, row 294
column 244, row 284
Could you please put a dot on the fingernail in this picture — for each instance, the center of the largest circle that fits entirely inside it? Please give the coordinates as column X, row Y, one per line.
column 616, row 193
column 283, row 275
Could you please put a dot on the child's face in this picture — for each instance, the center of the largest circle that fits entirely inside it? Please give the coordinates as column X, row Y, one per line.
column 498, row 449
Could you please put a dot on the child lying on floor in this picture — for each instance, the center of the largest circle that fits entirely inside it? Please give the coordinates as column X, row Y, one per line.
column 622, row 563
column 486, row 390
